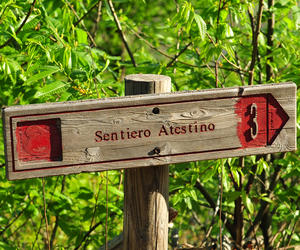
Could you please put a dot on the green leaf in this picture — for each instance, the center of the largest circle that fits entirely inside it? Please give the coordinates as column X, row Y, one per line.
column 85, row 194
column 248, row 203
column 267, row 199
column 3, row 245
column 67, row 58
column 190, row 21
column 176, row 198
column 194, row 195
column 232, row 196
column 188, row 202
column 81, row 36
column 105, row 66
column 262, row 165
column 44, row 72
column 115, row 191
column 177, row 187
column 253, row 159
column 236, row 176
column 228, row 31
column 52, row 88
column 201, row 26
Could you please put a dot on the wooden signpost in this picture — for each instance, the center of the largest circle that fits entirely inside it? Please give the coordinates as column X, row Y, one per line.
column 148, row 130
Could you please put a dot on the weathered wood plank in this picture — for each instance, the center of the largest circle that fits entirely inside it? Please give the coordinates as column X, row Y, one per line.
column 97, row 135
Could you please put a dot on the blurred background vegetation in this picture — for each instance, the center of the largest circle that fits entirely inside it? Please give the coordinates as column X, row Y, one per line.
column 61, row 50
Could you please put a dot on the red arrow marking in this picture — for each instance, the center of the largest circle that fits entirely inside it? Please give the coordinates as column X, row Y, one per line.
column 262, row 119
column 277, row 118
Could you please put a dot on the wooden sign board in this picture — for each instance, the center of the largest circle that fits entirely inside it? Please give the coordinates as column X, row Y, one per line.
column 135, row 131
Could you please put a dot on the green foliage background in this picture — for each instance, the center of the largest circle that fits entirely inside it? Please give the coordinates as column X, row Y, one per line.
column 199, row 44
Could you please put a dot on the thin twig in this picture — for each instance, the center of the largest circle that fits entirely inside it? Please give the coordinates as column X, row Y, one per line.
column 264, row 205
column 251, row 179
column 270, row 32
column 255, row 41
column 177, row 42
column 178, row 54
column 259, row 67
column 216, row 73
column 11, row 222
column 95, row 209
column 19, row 227
column 37, row 233
column 241, row 75
column 207, row 235
column 280, row 230
column 86, row 14
column 106, row 218
column 21, row 26
column 218, row 20
column 57, row 216
column 255, row 238
column 84, row 27
column 289, row 239
column 220, row 210
column 213, row 206
column 99, row 13
column 45, row 214
column 238, row 221
column 227, row 60
column 159, row 50
column 119, row 27
column 88, row 234
column 5, row 8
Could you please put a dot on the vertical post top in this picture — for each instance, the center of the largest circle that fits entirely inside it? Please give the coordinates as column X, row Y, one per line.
column 137, row 84
column 147, row 78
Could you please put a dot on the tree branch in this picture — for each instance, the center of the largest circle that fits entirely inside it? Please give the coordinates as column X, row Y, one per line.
column 241, row 75
column 218, row 21
column 213, row 206
column 178, row 54
column 57, row 216
column 280, row 230
column 87, row 13
column 84, row 27
column 119, row 27
column 255, row 39
column 12, row 221
column 159, row 50
column 250, row 180
column 227, row 60
column 216, row 74
column 264, row 205
column 88, row 234
column 99, row 13
column 270, row 32
column 45, row 215
column 238, row 221
column 21, row 26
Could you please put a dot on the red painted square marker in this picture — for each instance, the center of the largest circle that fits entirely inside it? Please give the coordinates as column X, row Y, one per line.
column 39, row 140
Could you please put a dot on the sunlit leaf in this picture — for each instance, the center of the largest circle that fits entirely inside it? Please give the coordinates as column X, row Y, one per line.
column 201, row 26
column 45, row 71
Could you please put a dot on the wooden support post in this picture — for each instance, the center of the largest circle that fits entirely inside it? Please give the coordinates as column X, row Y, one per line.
column 146, row 189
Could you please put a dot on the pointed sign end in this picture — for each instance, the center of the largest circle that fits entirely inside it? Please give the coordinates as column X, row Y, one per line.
column 277, row 118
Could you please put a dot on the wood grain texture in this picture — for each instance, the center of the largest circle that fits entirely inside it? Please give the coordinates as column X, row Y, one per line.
column 146, row 190
column 91, row 131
